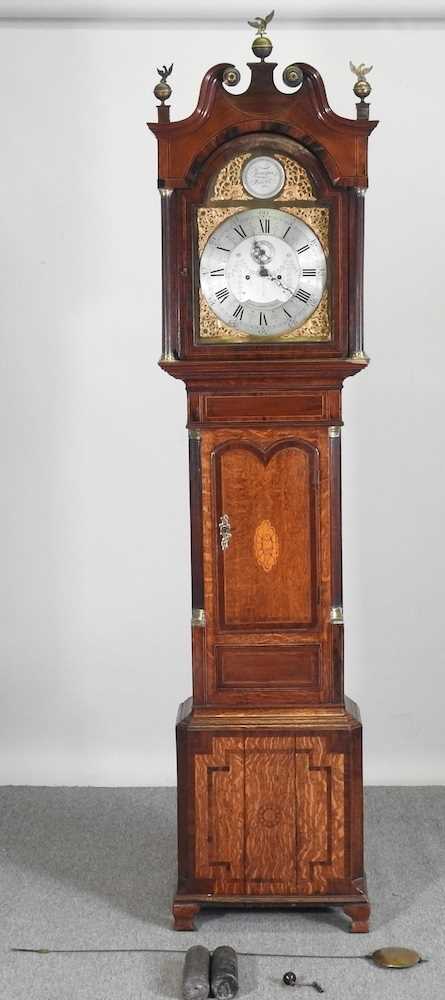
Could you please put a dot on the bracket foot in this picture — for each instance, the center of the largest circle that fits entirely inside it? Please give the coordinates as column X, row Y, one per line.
column 184, row 916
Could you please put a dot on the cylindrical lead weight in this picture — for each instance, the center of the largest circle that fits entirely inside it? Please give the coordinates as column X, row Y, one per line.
column 224, row 973
column 196, row 976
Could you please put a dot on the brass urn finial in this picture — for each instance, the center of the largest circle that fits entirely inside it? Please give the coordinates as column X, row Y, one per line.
column 261, row 45
column 362, row 88
column 162, row 91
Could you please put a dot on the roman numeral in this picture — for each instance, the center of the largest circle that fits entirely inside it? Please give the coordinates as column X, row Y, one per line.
column 303, row 249
column 287, row 230
column 226, row 249
column 302, row 295
column 263, row 319
column 289, row 315
column 265, row 225
column 219, row 271
column 239, row 311
column 240, row 231
column 309, row 272
column 222, row 294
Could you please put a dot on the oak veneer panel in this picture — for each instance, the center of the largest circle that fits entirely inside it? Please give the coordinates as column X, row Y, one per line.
column 267, row 443
column 268, row 572
column 270, row 814
column 264, row 666
column 319, row 789
column 219, row 813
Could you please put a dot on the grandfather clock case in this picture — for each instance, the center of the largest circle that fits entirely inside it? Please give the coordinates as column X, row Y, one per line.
column 262, row 202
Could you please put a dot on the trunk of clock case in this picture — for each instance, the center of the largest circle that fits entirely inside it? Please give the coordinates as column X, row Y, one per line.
column 263, row 627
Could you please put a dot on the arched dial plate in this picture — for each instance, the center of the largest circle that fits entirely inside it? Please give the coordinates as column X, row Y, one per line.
column 263, row 271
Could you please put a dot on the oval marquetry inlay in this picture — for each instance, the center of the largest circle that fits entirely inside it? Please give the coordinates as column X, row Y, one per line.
column 266, row 546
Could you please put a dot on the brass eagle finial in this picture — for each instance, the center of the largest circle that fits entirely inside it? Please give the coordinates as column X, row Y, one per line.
column 360, row 71
column 261, row 45
column 163, row 89
column 362, row 88
column 164, row 73
column 260, row 23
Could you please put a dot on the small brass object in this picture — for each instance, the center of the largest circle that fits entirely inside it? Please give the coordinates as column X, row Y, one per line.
column 231, row 76
column 225, row 531
column 261, row 45
column 396, row 958
column 163, row 91
column 336, row 615
column 334, row 431
column 293, row 75
column 199, row 617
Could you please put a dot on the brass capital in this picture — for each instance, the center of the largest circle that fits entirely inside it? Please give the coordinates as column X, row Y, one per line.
column 199, row 617
column 336, row 616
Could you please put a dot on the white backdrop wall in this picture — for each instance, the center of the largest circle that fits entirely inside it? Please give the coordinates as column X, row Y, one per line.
column 95, row 579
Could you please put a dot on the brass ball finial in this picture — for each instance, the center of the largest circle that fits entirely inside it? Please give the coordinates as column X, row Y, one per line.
column 293, row 75
column 261, row 45
column 231, row 76
column 362, row 88
column 163, row 91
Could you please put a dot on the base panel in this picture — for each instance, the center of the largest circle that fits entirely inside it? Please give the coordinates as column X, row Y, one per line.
column 270, row 815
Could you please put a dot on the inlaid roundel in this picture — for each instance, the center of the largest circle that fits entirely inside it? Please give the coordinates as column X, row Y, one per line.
column 267, row 573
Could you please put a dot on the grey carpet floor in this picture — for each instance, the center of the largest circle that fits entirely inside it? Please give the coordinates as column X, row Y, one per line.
column 95, row 868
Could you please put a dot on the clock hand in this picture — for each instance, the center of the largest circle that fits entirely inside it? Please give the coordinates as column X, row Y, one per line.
column 264, row 273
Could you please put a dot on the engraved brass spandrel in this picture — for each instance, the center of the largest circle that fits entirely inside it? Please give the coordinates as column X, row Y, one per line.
column 317, row 327
column 212, row 328
column 317, row 218
column 209, row 219
column 298, row 185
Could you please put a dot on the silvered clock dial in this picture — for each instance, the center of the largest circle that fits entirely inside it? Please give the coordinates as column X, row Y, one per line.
column 263, row 271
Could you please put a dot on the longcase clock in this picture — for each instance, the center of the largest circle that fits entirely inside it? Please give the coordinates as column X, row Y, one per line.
column 262, row 196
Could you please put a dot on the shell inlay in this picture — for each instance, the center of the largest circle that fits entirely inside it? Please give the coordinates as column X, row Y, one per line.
column 265, row 545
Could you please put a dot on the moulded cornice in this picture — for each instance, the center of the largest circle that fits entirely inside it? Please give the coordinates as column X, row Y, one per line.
column 305, row 115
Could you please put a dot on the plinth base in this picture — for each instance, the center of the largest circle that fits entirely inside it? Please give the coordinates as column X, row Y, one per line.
column 270, row 812
column 185, row 911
